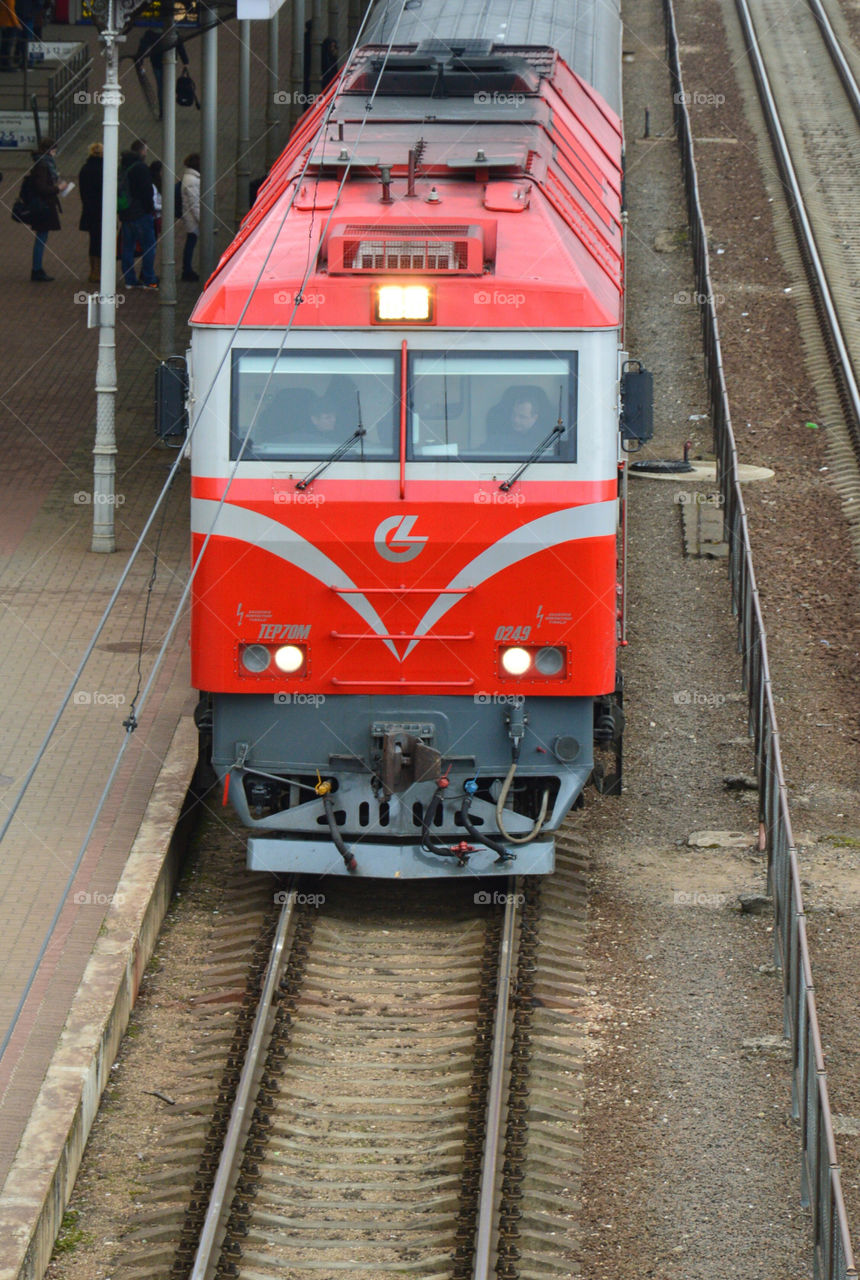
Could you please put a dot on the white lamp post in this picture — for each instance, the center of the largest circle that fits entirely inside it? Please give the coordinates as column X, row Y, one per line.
column 113, row 19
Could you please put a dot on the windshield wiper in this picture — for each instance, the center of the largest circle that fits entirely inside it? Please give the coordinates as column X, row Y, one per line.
column 338, row 453
column 556, row 433
column 558, row 430
column 359, row 434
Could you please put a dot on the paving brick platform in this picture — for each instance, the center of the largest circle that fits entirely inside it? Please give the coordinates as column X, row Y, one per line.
column 53, row 589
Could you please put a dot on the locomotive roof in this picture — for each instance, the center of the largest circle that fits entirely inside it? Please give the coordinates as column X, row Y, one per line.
column 519, row 181
column 586, row 33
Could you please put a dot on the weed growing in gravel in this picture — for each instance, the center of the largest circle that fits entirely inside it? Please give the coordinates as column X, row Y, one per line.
column 70, row 1234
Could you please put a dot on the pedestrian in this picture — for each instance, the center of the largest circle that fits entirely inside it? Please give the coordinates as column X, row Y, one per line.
column 328, row 61
column 8, row 34
column 25, row 12
column 155, row 171
column 90, row 182
column 45, row 186
column 137, row 217
column 190, row 212
column 152, row 45
column 254, row 188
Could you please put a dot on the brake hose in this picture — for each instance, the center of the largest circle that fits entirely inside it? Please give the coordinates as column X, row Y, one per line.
column 500, row 804
column 324, row 789
column 470, row 788
column 429, row 842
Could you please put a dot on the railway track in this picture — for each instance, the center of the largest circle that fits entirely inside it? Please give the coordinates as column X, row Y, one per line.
column 811, row 102
column 410, row 1098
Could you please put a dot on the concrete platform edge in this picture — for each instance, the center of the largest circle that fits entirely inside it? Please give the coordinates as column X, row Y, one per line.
column 46, row 1164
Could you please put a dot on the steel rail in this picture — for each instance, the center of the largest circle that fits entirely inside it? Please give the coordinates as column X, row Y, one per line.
column 834, row 48
column 487, row 1224
column 844, row 370
column 821, row 1189
column 214, row 1224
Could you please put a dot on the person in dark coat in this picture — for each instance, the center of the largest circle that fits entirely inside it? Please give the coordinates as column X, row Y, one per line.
column 328, row 61
column 9, row 28
column 152, row 45
column 25, row 12
column 45, row 187
column 90, row 181
column 138, row 224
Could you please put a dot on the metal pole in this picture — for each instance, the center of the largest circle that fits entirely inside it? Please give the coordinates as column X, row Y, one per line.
column 167, row 291
column 208, row 154
column 297, row 72
column 334, row 22
column 104, row 450
column 317, row 37
column 243, row 139
column 354, row 18
column 273, row 115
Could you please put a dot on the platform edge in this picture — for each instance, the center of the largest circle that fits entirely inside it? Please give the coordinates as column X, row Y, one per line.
column 40, row 1182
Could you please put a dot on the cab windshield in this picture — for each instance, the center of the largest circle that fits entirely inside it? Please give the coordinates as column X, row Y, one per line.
column 304, row 404
column 498, row 405
column 478, row 406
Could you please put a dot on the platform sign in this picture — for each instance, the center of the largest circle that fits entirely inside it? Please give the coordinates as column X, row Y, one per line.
column 51, row 50
column 257, row 8
column 18, row 130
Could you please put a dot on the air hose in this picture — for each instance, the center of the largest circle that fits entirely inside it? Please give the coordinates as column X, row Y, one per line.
column 500, row 804
column 429, row 842
column 505, row 855
column 324, row 789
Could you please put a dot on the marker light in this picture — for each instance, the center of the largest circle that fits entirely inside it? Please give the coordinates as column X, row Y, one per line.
column 549, row 661
column 289, row 658
column 410, row 302
column 516, row 661
column 255, row 657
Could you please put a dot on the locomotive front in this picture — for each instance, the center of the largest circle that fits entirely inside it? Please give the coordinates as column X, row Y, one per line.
column 405, row 470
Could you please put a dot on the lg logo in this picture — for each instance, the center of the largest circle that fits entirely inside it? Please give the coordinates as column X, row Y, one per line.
column 394, row 539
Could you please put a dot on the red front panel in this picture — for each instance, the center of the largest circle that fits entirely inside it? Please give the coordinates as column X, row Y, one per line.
column 410, row 596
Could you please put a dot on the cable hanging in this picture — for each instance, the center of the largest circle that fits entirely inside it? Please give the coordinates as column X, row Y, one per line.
column 147, row 526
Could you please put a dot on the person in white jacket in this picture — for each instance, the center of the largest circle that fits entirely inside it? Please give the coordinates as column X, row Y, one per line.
column 190, row 212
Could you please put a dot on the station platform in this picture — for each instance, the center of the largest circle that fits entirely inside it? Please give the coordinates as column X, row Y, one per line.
column 53, row 588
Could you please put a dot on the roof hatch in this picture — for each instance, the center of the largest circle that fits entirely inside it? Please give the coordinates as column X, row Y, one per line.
column 434, row 69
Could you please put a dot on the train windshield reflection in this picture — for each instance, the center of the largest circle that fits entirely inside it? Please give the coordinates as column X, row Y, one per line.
column 303, row 404
column 497, row 405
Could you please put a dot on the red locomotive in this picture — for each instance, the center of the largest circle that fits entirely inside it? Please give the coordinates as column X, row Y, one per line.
column 405, row 394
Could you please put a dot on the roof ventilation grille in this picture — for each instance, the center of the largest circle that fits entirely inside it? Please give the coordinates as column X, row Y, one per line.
column 394, row 249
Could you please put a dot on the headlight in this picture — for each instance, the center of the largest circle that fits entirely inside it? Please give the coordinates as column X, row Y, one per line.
column 255, row 657
column 530, row 662
column 290, row 658
column 411, row 302
column 516, row 661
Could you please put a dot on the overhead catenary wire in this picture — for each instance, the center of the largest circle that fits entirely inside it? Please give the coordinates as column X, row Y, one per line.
column 151, row 517
column 139, row 545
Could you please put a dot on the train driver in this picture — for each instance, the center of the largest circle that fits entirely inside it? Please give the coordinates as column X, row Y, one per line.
column 324, row 415
column 519, row 421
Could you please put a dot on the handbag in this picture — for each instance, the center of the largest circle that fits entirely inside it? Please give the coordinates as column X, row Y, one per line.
column 22, row 209
column 186, row 90
column 29, row 205
column 21, row 212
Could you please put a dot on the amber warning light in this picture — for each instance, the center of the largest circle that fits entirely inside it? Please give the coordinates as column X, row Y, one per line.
column 409, row 304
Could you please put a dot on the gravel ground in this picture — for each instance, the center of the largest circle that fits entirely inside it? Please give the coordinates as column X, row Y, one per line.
column 691, row 1155
column 809, row 585
column 694, row 1155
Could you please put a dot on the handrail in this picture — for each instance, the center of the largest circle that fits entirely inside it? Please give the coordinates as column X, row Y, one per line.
column 376, row 635
column 821, row 1188
column 403, row 590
